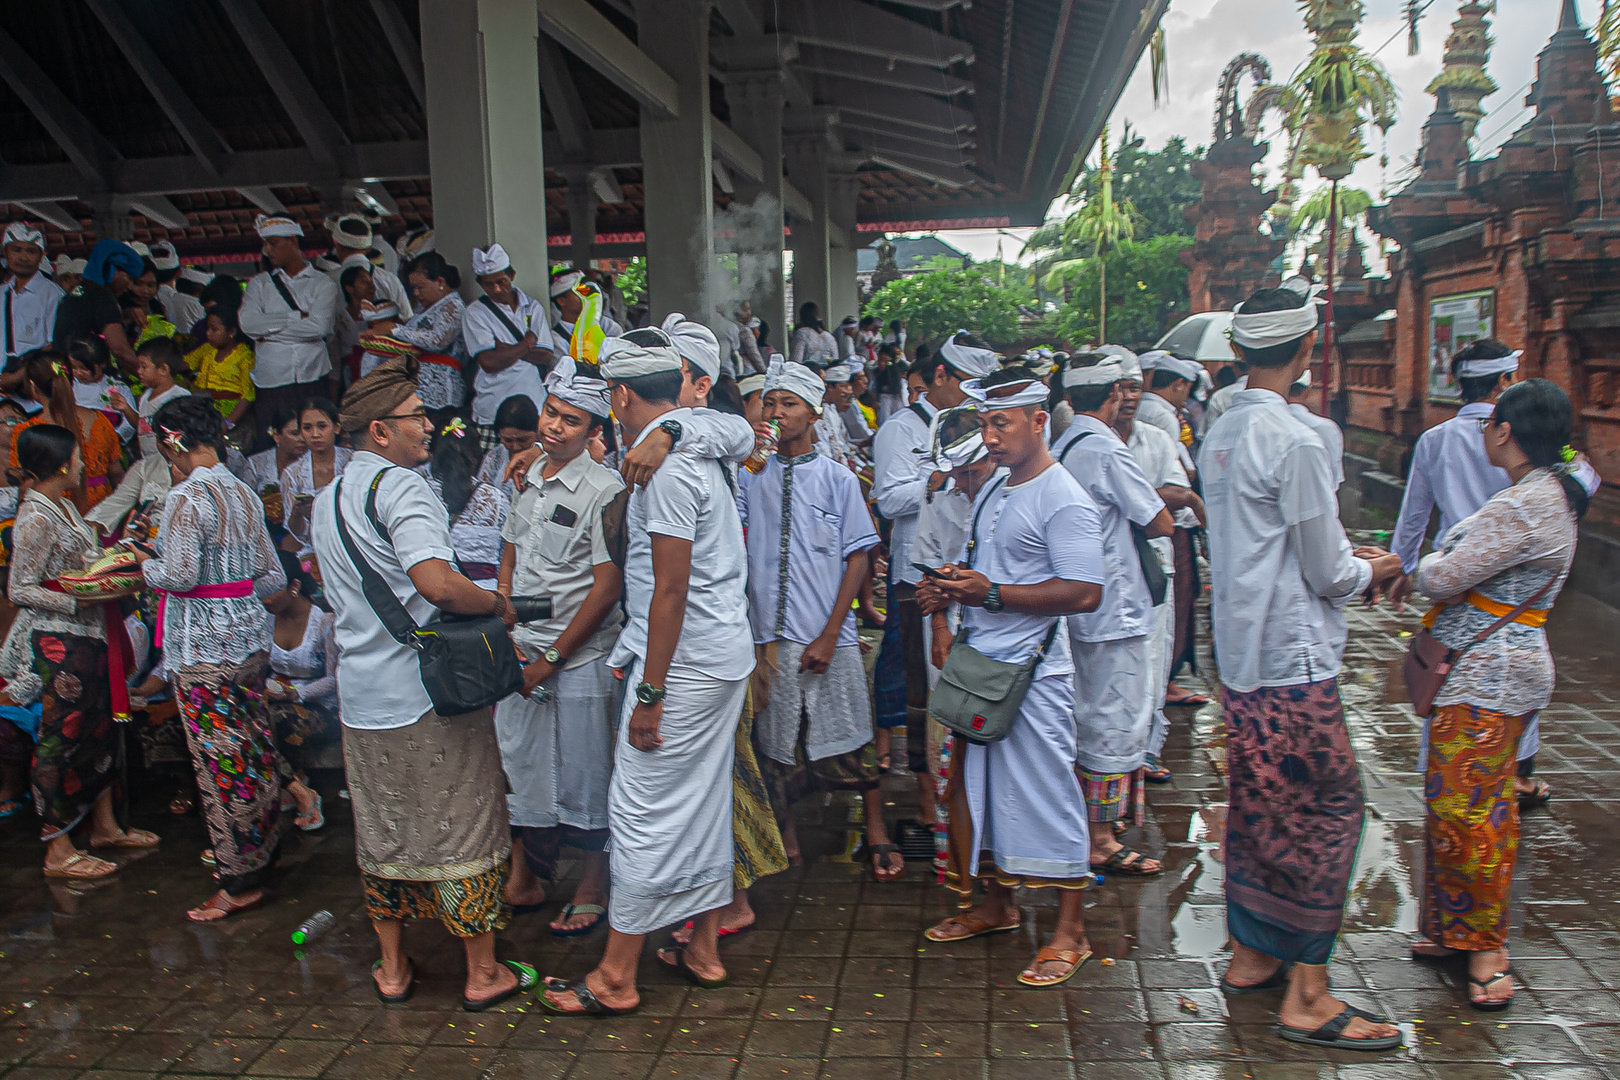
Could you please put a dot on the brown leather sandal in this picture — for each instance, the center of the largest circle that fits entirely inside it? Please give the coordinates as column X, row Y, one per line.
column 1049, row 955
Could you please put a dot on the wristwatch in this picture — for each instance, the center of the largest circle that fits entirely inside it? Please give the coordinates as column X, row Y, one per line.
column 648, row 694
column 992, row 602
column 673, row 427
column 553, row 657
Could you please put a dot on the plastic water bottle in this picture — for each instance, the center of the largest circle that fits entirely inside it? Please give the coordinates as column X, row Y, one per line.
column 760, row 458
column 313, row 927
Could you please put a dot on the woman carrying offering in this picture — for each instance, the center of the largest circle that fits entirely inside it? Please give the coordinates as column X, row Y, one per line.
column 58, row 649
column 215, row 564
column 1518, row 547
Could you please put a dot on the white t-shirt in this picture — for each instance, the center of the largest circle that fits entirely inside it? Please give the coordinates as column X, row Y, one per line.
column 900, row 481
column 146, row 408
column 379, row 680
column 1108, row 472
column 1028, row 533
column 1332, row 438
column 688, row 498
column 1156, row 454
column 482, row 330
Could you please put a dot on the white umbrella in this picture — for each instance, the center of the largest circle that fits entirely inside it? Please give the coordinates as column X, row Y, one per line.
column 1201, row 338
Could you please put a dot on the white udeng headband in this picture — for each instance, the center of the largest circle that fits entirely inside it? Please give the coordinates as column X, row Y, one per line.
column 1103, row 374
column 968, row 360
column 1033, row 393
column 796, row 379
column 1263, row 329
column 1496, row 365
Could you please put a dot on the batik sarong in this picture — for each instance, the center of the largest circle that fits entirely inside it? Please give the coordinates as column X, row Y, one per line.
column 79, row 753
column 1471, row 839
column 756, row 840
column 1295, row 819
column 1115, row 796
column 233, row 751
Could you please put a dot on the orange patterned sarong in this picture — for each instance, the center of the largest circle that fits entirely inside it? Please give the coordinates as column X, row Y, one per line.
column 1472, row 835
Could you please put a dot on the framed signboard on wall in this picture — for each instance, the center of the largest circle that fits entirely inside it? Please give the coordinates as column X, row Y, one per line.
column 1454, row 321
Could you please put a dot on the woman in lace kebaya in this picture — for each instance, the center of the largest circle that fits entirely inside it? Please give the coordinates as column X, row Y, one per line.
column 213, row 568
column 302, row 688
column 322, row 462
column 1520, row 542
column 477, row 509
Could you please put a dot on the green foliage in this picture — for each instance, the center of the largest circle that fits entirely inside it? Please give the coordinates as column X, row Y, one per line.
column 1313, row 213
column 1147, row 284
column 1159, row 184
column 984, row 298
column 632, row 280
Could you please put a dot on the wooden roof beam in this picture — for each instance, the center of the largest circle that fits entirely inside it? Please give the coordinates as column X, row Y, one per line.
column 942, row 140
column 48, row 211
column 315, row 123
column 563, row 100
column 203, row 138
column 896, row 106
column 91, row 153
column 870, row 69
column 407, row 50
column 154, row 208
column 860, row 28
column 588, row 34
column 938, row 172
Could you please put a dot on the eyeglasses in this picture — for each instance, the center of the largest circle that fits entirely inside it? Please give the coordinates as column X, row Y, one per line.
column 420, row 416
column 1485, row 422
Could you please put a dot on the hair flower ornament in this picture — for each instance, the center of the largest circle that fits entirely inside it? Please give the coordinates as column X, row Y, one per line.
column 457, row 427
column 175, row 440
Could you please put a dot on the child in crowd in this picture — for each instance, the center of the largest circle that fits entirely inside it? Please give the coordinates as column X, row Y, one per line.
column 224, row 365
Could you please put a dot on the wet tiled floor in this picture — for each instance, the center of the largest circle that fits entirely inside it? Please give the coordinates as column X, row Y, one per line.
column 837, row 981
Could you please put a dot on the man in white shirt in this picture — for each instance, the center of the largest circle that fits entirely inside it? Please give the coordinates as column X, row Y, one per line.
column 429, row 799
column 1035, row 557
column 1282, row 571
column 288, row 311
column 1450, row 470
column 352, row 235
column 1113, row 677
column 807, row 561
column 566, row 305
column 686, row 652
column 1326, row 430
column 563, row 539
column 507, row 335
column 1221, row 399
column 901, row 473
column 28, row 300
column 1156, row 455
column 742, row 350
column 832, row 439
column 182, row 310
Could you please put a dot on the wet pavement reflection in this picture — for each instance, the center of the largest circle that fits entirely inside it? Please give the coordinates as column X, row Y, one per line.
column 836, row 980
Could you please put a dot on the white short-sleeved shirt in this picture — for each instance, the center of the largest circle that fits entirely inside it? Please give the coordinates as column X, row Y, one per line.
column 688, row 498
column 1107, row 470
column 1332, row 438
column 828, row 522
column 559, row 537
column 482, row 330
column 1156, row 454
column 1449, row 470
column 379, row 680
column 29, row 314
column 1028, row 533
column 901, row 468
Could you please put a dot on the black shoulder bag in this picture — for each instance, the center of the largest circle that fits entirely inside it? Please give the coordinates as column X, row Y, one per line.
column 1158, row 584
column 976, row 697
column 495, row 309
column 467, row 661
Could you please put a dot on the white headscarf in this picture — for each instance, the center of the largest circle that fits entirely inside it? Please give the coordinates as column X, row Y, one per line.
column 694, row 341
column 1102, row 374
column 1496, row 365
column 351, row 232
column 974, row 363
column 268, row 225
column 581, row 391
column 199, row 277
column 1033, row 393
column 376, row 311
column 837, row 373
column 1128, row 363
column 490, row 260
column 622, row 359
column 752, row 384
column 561, row 283
column 966, row 449
column 358, row 258
column 164, row 257
column 1159, row 360
column 796, row 379
column 1266, row 328
column 21, row 232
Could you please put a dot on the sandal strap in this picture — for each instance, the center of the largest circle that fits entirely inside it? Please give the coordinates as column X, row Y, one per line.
column 1487, row 983
column 1335, row 1027
column 586, row 999
column 1048, row 954
column 973, row 926
column 528, row 977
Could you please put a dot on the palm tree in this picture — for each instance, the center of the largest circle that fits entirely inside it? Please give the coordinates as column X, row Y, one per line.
column 1101, row 224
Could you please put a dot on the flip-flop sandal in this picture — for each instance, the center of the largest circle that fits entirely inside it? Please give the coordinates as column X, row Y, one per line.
column 404, row 995
column 1156, row 773
column 527, row 979
column 220, row 902
column 974, row 927
column 1122, row 864
column 570, row 910
column 132, row 838
column 1331, row 1034
column 679, row 964
column 79, row 858
column 1188, row 700
column 1277, row 980
column 883, row 851
column 317, row 819
column 1488, row 1005
column 207, row 857
column 183, row 804
column 589, row 1005
column 1047, row 955
column 724, row 932
column 9, row 807
column 1541, row 795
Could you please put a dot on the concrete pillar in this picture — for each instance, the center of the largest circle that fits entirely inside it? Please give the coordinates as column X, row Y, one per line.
column 808, row 144
column 675, row 155
column 756, row 114
column 480, row 60
column 845, row 290
column 581, row 216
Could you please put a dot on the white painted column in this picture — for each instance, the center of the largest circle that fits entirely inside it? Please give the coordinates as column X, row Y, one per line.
column 808, row 145
column 481, row 65
column 844, row 290
column 756, row 114
column 675, row 161
column 581, row 216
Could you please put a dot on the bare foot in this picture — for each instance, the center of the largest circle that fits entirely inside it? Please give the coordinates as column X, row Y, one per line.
column 394, row 983
column 623, row 997
column 707, row 968
column 525, row 897
column 483, row 985
column 1249, row 968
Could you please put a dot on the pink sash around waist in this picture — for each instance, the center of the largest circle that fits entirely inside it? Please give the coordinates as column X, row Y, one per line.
column 225, row 590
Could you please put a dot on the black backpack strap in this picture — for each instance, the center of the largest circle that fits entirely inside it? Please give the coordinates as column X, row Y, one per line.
column 922, row 413
column 1072, row 445
column 286, row 294
column 395, row 619
column 973, row 533
column 511, row 327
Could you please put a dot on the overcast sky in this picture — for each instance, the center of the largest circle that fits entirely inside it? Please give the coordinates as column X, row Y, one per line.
column 1203, row 35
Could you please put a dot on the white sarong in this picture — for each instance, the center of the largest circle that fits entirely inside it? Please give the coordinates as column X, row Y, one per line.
column 1112, row 695
column 1022, row 793
column 670, row 808
column 1159, row 645
column 835, row 709
column 558, row 753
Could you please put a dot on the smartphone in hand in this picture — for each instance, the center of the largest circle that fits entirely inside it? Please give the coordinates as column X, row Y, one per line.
column 928, row 571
